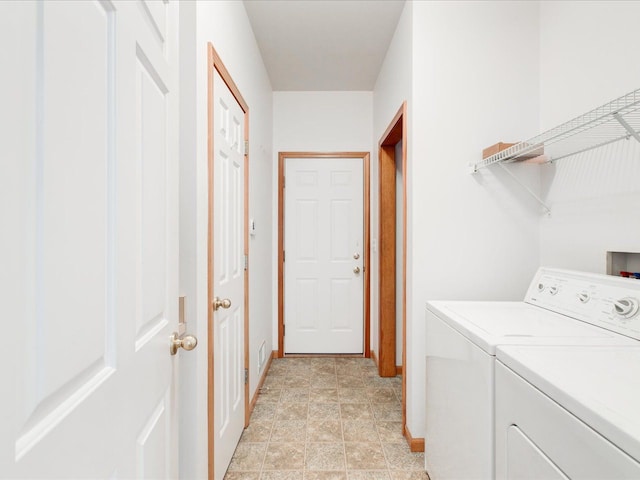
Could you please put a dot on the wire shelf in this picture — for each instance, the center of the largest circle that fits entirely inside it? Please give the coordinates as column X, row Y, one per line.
column 614, row 121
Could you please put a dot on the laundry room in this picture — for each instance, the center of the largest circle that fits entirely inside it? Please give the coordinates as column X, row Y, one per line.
column 474, row 74
column 506, row 220
column 321, row 239
column 505, row 72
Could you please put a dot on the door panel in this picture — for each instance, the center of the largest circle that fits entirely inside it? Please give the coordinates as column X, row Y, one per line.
column 323, row 216
column 340, row 296
column 151, row 147
column 151, row 443
column 228, row 273
column 307, row 221
column 91, row 390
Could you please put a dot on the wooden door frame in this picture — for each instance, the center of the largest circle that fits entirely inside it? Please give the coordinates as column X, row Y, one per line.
column 214, row 63
column 395, row 132
column 282, row 156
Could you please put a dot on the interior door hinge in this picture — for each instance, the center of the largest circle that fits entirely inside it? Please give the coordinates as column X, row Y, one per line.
column 283, row 255
column 246, row 376
column 246, row 147
column 283, row 329
column 284, row 181
column 246, row 262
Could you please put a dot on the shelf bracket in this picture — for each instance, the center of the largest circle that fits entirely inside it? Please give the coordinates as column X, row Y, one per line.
column 529, row 191
column 626, row 126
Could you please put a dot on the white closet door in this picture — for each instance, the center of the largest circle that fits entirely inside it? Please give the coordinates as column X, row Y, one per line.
column 228, row 273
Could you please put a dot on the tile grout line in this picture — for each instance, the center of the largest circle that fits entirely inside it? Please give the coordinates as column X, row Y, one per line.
column 344, row 444
column 273, row 423
column 306, row 433
column 376, row 423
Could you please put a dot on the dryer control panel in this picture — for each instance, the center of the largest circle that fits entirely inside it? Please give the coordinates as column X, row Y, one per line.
column 602, row 300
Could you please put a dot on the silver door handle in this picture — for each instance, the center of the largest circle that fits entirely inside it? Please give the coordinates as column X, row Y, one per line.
column 356, row 270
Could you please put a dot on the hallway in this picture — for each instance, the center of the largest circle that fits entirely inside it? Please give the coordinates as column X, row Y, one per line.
column 326, row 419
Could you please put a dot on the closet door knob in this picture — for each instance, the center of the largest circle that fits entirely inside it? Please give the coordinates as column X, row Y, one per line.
column 224, row 303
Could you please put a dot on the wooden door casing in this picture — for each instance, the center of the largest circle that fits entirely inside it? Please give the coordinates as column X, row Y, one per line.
column 366, row 243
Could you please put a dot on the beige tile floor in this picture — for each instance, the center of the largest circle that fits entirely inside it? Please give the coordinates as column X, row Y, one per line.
column 326, row 419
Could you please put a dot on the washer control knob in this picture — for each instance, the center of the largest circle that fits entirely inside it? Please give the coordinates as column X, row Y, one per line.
column 553, row 290
column 625, row 307
column 541, row 287
column 584, row 297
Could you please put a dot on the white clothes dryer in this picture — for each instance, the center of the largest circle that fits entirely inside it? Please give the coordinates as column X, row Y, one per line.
column 568, row 412
column 461, row 341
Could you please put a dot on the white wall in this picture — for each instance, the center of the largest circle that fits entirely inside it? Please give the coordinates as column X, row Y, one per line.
column 475, row 82
column 225, row 24
column 393, row 86
column 317, row 122
column 595, row 196
column 322, row 121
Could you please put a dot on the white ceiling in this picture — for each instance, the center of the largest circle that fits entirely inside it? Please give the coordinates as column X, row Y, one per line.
column 323, row 44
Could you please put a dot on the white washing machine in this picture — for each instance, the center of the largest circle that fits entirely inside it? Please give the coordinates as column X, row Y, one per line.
column 461, row 341
column 568, row 412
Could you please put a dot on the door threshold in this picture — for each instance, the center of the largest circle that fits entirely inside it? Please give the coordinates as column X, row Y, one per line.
column 324, row 355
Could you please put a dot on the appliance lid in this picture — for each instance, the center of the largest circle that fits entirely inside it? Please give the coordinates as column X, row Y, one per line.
column 488, row 324
column 598, row 384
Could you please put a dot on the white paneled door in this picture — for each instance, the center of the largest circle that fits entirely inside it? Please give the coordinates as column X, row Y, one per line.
column 323, row 244
column 89, row 249
column 228, row 273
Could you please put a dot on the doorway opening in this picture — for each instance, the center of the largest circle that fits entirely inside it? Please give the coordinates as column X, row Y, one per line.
column 349, row 256
column 392, row 248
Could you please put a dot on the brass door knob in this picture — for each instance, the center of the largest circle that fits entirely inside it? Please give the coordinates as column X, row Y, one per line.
column 188, row 342
column 356, row 270
column 224, row 303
